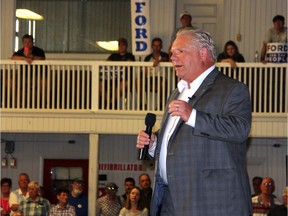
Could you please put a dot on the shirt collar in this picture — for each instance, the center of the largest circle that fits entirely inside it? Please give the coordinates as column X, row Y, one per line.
column 182, row 84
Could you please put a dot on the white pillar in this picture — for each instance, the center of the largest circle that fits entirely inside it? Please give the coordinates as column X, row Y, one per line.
column 93, row 173
column 7, row 23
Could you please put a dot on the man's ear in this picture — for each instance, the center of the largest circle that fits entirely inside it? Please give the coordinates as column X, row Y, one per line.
column 203, row 53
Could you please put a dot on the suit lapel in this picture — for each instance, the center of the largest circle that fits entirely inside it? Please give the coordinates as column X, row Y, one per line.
column 204, row 87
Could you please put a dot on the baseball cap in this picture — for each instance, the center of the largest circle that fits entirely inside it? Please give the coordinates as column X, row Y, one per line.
column 78, row 180
column 185, row 13
column 111, row 186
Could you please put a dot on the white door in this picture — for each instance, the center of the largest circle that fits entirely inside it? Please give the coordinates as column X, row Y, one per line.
column 206, row 15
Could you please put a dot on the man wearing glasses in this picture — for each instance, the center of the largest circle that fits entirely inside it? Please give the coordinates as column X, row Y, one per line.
column 263, row 203
column 77, row 198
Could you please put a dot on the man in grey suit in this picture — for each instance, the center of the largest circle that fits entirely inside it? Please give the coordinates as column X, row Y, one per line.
column 200, row 148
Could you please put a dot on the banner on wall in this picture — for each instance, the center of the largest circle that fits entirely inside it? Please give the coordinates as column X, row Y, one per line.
column 140, row 25
column 276, row 53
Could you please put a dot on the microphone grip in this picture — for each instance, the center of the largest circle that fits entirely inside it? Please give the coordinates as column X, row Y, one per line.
column 144, row 151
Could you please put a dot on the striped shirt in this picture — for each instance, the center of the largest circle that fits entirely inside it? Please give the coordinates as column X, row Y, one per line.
column 57, row 210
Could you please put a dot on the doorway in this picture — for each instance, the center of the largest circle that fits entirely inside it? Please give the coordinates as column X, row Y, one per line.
column 61, row 173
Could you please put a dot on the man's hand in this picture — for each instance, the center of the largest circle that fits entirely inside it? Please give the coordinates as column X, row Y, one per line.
column 180, row 108
column 143, row 139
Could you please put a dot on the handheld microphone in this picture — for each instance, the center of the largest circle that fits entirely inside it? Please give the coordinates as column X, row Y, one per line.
column 150, row 120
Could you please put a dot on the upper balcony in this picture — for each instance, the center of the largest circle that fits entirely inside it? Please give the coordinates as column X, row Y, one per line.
column 114, row 97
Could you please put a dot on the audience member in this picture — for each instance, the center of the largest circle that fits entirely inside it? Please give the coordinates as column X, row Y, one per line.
column 129, row 183
column 145, row 185
column 276, row 34
column 200, row 165
column 231, row 54
column 110, row 204
column 263, row 203
column 281, row 210
column 29, row 52
column 20, row 194
column 157, row 55
column 77, row 199
column 35, row 205
column 6, row 184
column 256, row 182
column 119, row 71
column 186, row 23
column 134, row 205
column 62, row 208
column 122, row 54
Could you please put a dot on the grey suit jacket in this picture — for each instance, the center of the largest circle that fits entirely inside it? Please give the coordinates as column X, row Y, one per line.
column 206, row 165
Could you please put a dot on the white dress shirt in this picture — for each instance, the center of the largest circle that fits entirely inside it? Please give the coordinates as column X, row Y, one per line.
column 185, row 94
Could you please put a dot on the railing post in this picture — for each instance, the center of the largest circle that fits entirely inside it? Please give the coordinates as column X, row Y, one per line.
column 95, row 87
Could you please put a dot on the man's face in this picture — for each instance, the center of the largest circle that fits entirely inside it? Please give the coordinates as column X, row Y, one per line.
column 187, row 61
column 23, row 182
column 77, row 187
column 186, row 21
column 27, row 42
column 267, row 186
column 278, row 25
column 122, row 47
column 63, row 198
column 156, row 46
column 145, row 182
column 128, row 186
column 33, row 192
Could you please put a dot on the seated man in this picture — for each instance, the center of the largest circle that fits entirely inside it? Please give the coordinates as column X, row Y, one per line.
column 29, row 52
column 119, row 72
column 156, row 57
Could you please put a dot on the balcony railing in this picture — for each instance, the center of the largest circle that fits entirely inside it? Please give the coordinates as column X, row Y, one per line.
column 130, row 86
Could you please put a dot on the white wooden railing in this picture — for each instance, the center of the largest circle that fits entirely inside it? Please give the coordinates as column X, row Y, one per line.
column 105, row 85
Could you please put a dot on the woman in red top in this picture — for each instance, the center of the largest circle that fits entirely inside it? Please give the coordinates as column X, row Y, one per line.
column 6, row 184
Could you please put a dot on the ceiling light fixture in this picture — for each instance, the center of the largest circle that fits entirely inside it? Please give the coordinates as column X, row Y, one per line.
column 108, row 45
column 28, row 14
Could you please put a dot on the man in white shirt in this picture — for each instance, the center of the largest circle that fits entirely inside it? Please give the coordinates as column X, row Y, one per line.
column 20, row 194
column 200, row 148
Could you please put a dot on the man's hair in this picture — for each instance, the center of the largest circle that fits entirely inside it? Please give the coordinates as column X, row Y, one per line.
column 34, row 184
column 62, row 190
column 27, row 36
column 279, row 18
column 200, row 39
column 123, row 40
column 144, row 174
column 157, row 39
column 130, row 179
column 6, row 180
column 257, row 178
column 24, row 174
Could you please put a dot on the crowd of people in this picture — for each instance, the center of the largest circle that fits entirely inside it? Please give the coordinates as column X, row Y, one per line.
column 28, row 200
column 200, row 147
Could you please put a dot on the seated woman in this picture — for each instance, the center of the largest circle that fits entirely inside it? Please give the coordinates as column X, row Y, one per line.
column 231, row 54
